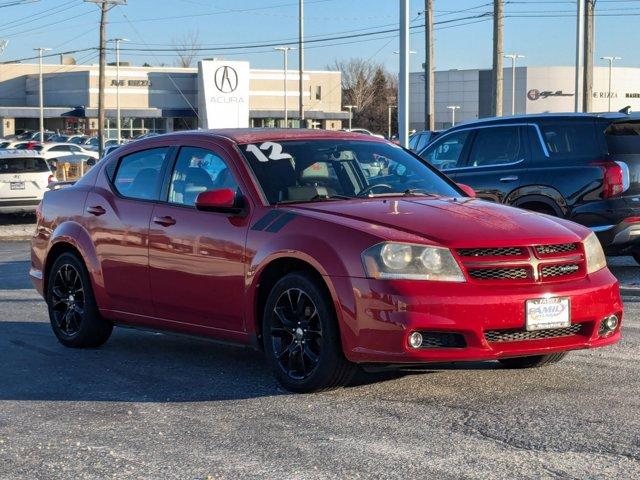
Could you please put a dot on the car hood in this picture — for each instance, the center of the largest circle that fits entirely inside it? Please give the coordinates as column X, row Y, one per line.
column 454, row 222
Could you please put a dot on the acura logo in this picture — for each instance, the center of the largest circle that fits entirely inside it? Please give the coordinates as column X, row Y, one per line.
column 533, row 94
column 226, row 79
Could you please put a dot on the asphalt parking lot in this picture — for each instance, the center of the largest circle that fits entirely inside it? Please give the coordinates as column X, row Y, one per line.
column 158, row 406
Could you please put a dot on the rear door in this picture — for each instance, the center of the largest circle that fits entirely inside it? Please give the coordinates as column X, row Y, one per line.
column 497, row 164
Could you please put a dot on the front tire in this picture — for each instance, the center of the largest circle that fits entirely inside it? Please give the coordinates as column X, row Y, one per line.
column 536, row 361
column 73, row 311
column 301, row 337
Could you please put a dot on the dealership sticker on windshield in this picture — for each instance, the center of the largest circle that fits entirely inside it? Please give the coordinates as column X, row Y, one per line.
column 544, row 313
column 268, row 151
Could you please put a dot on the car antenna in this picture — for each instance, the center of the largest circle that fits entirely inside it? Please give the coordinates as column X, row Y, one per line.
column 626, row 110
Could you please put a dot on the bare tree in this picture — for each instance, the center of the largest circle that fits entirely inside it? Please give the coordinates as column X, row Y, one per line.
column 357, row 81
column 186, row 46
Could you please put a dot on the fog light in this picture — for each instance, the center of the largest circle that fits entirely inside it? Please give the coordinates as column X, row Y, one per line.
column 415, row 339
column 609, row 324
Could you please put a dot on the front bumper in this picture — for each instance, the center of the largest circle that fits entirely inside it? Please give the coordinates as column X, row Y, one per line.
column 377, row 316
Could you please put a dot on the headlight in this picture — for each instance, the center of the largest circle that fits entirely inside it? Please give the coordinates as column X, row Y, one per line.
column 594, row 254
column 411, row 262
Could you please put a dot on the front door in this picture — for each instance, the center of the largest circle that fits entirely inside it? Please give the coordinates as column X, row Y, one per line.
column 197, row 261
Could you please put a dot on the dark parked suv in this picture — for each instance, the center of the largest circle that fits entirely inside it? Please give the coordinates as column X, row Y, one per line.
column 582, row 167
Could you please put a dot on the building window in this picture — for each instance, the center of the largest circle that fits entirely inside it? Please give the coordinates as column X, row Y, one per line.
column 318, row 92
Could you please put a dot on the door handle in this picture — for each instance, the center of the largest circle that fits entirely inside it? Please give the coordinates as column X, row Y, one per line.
column 164, row 221
column 96, row 210
column 510, row 178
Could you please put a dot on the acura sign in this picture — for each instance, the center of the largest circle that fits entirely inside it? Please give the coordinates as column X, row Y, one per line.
column 223, row 94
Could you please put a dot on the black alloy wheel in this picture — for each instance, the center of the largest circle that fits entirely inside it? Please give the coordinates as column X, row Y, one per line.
column 73, row 312
column 301, row 337
column 296, row 333
column 67, row 300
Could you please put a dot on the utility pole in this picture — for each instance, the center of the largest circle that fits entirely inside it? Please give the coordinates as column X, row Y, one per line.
column 285, row 54
column 610, row 60
column 403, row 77
column 579, row 54
column 513, row 57
column 453, row 109
column 497, row 80
column 118, row 116
column 105, row 6
column 589, row 20
column 350, row 107
column 429, row 82
column 389, row 108
column 301, row 61
column 40, row 51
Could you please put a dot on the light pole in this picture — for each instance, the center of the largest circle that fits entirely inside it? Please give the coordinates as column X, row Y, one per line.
column 403, row 75
column 117, row 41
column 513, row 57
column 453, row 109
column 40, row 51
column 285, row 54
column 390, row 107
column 610, row 60
column 350, row 107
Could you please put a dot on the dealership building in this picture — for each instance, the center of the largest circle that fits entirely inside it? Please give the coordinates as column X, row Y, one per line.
column 537, row 90
column 159, row 99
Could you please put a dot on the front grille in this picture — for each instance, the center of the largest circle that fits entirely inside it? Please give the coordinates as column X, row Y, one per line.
column 559, row 270
column 491, row 252
column 508, row 273
column 517, row 335
column 442, row 340
column 558, row 248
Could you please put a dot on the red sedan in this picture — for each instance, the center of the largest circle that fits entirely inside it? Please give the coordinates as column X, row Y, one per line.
column 326, row 250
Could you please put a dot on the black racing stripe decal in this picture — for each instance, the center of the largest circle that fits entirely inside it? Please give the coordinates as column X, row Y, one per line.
column 281, row 222
column 266, row 220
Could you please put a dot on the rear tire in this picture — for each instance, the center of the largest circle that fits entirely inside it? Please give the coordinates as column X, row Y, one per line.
column 301, row 337
column 73, row 311
column 536, row 361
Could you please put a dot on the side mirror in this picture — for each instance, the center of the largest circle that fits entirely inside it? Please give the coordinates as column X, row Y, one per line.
column 470, row 192
column 223, row 200
column 91, row 161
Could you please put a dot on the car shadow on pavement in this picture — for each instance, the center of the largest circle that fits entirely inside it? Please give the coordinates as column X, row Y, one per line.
column 136, row 366
column 14, row 275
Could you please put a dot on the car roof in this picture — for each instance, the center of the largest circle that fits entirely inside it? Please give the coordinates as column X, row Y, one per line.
column 254, row 135
column 20, row 153
column 613, row 116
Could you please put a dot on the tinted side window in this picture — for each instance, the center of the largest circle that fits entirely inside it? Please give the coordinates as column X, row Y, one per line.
column 198, row 170
column 423, row 139
column 60, row 148
column 496, row 146
column 138, row 174
column 446, row 153
column 570, row 140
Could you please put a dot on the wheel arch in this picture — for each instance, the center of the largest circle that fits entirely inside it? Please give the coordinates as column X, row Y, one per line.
column 270, row 272
column 545, row 201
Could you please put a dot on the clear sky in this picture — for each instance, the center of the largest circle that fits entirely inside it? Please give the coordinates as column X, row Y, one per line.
column 543, row 30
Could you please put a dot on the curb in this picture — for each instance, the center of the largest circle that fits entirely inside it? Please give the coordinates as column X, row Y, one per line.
column 630, row 290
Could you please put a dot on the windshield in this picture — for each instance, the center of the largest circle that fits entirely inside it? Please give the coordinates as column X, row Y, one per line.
column 309, row 170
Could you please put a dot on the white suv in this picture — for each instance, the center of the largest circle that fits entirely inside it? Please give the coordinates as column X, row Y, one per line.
column 24, row 177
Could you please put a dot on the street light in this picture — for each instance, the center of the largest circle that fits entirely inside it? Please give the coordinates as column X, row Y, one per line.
column 610, row 60
column 350, row 107
column 390, row 107
column 118, row 116
column 513, row 57
column 453, row 109
column 285, row 54
column 40, row 51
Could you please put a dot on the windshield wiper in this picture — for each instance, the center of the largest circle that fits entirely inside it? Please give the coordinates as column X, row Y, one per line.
column 416, row 191
column 333, row 196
